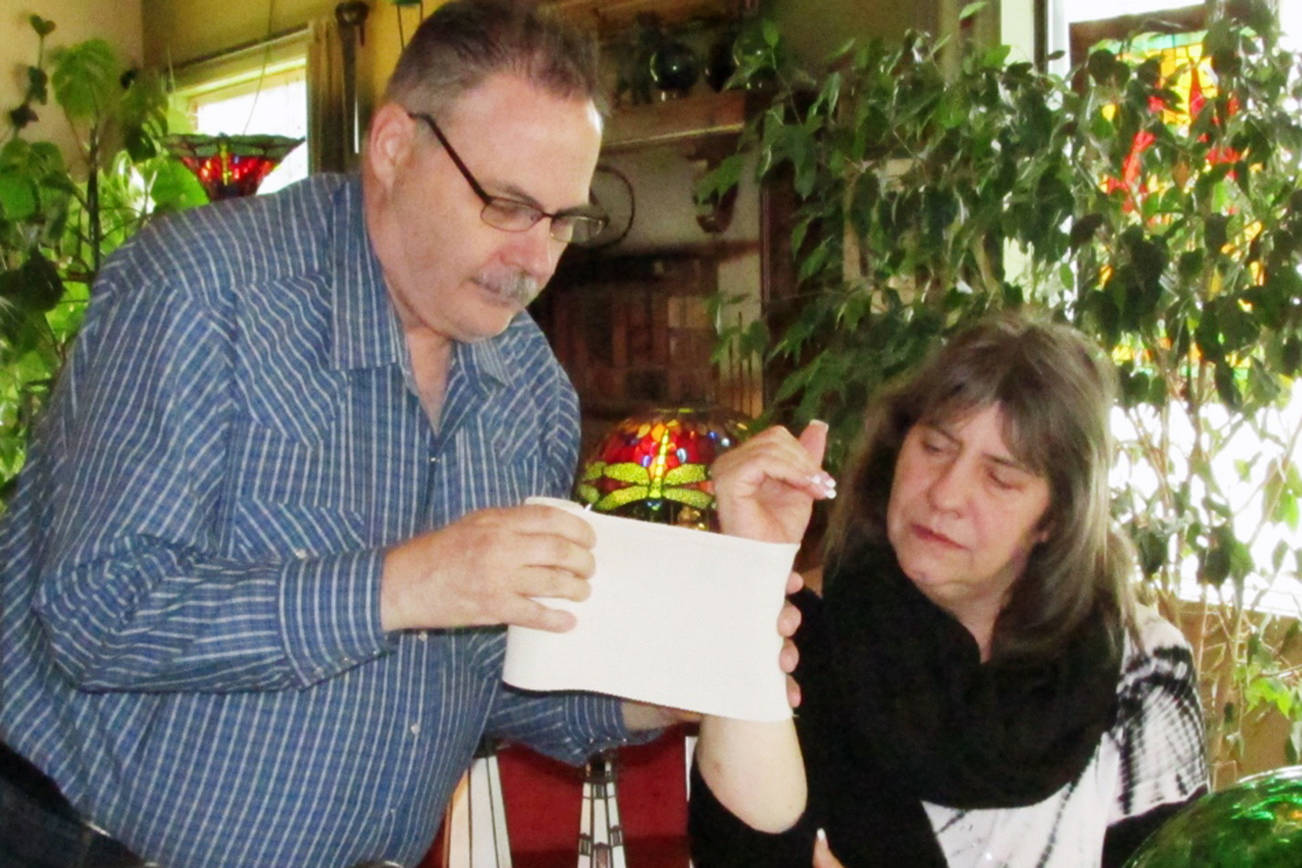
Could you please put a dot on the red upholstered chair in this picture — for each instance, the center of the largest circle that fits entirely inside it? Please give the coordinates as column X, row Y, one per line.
column 543, row 799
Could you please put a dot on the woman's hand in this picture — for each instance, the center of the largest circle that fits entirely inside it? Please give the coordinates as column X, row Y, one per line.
column 823, row 857
column 765, row 488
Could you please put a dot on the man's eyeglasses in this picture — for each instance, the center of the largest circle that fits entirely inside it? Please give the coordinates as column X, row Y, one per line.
column 512, row 215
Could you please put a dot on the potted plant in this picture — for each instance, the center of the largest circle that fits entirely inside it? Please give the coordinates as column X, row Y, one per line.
column 1168, row 227
column 59, row 220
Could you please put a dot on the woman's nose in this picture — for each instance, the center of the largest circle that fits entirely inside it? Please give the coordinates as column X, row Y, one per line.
column 949, row 487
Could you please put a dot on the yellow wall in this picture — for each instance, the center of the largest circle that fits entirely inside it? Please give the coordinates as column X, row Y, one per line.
column 117, row 21
column 177, row 31
column 813, row 36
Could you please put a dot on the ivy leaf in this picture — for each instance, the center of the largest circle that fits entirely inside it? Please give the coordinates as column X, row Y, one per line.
column 1207, row 336
column 1214, row 568
column 37, row 85
column 1291, row 357
column 1226, row 389
column 828, row 96
column 22, row 116
column 1282, row 489
column 17, row 196
column 817, row 258
column 1214, row 232
column 1083, row 229
column 85, row 79
column 42, row 26
column 41, row 286
column 1100, row 64
column 175, row 187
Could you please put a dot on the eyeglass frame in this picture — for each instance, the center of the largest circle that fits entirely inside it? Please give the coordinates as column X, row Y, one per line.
column 515, row 206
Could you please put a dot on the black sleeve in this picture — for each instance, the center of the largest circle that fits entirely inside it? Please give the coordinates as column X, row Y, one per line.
column 720, row 840
column 1124, row 838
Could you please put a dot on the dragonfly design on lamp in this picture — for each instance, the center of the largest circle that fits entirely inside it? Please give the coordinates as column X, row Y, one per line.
column 655, row 466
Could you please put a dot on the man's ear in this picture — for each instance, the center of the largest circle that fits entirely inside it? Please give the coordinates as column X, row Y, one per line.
column 389, row 142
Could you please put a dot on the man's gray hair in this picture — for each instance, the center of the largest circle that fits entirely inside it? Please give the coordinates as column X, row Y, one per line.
column 465, row 41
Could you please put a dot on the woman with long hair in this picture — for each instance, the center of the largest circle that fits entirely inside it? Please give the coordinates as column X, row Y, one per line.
column 979, row 687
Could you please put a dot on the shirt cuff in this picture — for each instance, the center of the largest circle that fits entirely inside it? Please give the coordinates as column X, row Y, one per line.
column 330, row 614
column 598, row 719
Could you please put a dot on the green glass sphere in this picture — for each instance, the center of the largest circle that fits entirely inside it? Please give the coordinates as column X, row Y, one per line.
column 1256, row 823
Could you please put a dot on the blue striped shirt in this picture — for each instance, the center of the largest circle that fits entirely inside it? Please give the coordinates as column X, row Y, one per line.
column 190, row 641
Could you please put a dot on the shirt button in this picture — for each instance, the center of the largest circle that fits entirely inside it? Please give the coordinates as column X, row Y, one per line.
column 300, row 553
column 433, row 459
column 415, row 729
column 423, row 636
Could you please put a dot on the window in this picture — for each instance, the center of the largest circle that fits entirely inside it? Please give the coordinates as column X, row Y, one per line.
column 259, row 90
column 1074, row 27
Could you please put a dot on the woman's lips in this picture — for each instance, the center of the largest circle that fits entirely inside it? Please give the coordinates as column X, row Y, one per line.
column 926, row 534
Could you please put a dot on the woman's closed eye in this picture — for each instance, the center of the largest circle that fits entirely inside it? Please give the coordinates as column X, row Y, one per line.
column 935, row 443
column 1008, row 477
column 1003, row 481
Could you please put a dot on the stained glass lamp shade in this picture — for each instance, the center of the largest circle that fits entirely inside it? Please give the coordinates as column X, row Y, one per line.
column 654, row 466
column 230, row 166
column 1256, row 823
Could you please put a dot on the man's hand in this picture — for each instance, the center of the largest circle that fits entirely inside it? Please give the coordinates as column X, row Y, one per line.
column 486, row 567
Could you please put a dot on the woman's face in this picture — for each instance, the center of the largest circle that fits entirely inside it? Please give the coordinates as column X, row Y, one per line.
column 964, row 513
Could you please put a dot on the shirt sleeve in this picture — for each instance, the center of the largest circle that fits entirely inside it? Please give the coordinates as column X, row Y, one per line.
column 132, row 593
column 1159, row 730
column 569, row 726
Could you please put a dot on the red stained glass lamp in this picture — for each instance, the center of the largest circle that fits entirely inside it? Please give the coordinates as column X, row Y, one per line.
column 655, row 466
column 230, row 166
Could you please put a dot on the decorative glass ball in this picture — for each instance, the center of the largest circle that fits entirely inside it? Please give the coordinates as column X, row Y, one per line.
column 1256, row 823
column 675, row 67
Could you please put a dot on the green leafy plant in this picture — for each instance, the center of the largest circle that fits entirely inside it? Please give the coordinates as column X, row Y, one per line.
column 1188, row 269
column 932, row 191
column 58, row 220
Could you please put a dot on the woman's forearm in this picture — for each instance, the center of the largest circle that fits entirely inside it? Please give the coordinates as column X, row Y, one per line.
column 755, row 770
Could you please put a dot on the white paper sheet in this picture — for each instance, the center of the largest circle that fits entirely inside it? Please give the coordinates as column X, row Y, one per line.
column 677, row 617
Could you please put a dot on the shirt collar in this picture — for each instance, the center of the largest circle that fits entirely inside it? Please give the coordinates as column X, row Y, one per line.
column 483, row 359
column 366, row 332
column 366, row 328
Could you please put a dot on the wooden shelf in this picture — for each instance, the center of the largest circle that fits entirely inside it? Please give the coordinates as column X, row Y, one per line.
column 612, row 16
column 674, row 121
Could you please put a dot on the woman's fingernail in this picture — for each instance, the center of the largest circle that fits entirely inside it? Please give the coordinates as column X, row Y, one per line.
column 826, row 482
column 821, row 835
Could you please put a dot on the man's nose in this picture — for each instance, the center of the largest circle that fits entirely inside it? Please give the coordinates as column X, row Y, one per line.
column 535, row 251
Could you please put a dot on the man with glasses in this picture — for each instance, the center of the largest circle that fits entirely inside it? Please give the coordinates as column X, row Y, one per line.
column 254, row 572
